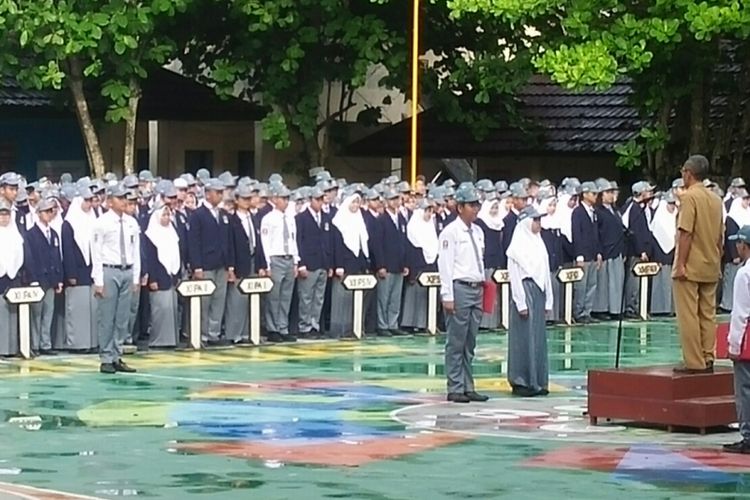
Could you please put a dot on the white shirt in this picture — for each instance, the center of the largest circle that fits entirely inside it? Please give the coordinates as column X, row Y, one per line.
column 272, row 236
column 517, row 275
column 457, row 259
column 105, row 245
column 394, row 217
column 214, row 210
column 247, row 224
column 740, row 309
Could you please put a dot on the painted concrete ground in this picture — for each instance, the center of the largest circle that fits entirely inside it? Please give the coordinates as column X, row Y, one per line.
column 343, row 420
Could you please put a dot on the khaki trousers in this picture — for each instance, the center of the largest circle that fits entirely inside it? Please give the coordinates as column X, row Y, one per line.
column 695, row 305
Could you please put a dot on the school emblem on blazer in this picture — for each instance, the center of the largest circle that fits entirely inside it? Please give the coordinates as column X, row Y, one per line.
column 225, row 219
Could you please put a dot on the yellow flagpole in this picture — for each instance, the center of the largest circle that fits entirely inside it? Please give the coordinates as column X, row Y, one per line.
column 414, row 91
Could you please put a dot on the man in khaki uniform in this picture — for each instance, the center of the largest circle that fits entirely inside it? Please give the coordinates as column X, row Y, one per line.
column 697, row 268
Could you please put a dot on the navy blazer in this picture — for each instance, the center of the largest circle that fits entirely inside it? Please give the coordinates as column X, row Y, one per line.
column 585, row 234
column 553, row 242
column 389, row 243
column 416, row 263
column 313, row 241
column 640, row 235
column 344, row 258
column 370, row 224
column 45, row 261
column 245, row 263
column 74, row 267
column 611, row 233
column 494, row 253
column 182, row 226
column 209, row 240
column 509, row 225
column 730, row 249
column 156, row 272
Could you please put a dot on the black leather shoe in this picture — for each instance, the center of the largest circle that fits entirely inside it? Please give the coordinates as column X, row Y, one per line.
column 48, row 352
column 274, row 337
column 218, row 343
column 384, row 333
column 475, row 396
column 455, row 397
column 399, row 333
column 120, row 366
column 684, row 370
column 524, row 392
column 741, row 447
column 107, row 368
column 288, row 338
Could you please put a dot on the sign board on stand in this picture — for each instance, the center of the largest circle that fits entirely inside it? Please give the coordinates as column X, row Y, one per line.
column 23, row 297
column 431, row 281
column 255, row 287
column 569, row 276
column 502, row 278
column 644, row 271
column 194, row 290
column 358, row 283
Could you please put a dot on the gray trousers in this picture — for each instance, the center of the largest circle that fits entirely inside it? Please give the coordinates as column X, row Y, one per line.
column 742, row 396
column 584, row 292
column 237, row 317
column 279, row 299
column 311, row 292
column 42, row 314
column 113, row 313
column 389, row 301
column 632, row 287
column 462, row 327
column 212, row 307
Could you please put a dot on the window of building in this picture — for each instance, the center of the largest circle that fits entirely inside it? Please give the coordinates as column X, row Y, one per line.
column 246, row 163
column 141, row 160
column 197, row 159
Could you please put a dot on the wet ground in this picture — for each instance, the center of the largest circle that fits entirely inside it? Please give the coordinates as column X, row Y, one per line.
column 362, row 420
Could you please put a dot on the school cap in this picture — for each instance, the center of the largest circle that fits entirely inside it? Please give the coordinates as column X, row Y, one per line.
column 203, row 174
column 501, row 186
column 742, row 235
column 228, row 179
column 323, row 175
column 738, row 182
column 130, row 181
column 10, row 179
column 167, row 189
column 243, row 191
column 467, row 193
column 316, row 192
column 529, row 212
column 46, row 204
column 276, row 179
column 4, row 205
column 180, row 183
column 189, row 179
column 517, row 190
column 602, row 184
column 490, row 195
column 390, row 194
column 641, row 187
column 213, row 185
column 485, row 185
column 449, row 183
column 678, row 183
column 85, row 193
column 280, row 191
column 589, row 187
column 326, row 185
column 145, row 176
column 404, row 187
column 66, row 178
column 670, row 197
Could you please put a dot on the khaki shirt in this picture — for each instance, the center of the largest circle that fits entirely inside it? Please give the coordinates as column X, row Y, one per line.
column 701, row 215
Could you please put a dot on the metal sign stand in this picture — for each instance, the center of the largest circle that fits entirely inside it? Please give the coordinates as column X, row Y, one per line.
column 431, row 281
column 502, row 278
column 255, row 287
column 194, row 290
column 645, row 270
column 23, row 297
column 358, row 283
column 568, row 277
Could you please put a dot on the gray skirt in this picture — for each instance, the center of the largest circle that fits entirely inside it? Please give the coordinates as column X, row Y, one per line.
column 8, row 329
column 727, row 285
column 414, row 310
column 661, row 292
column 491, row 320
column 342, row 301
column 528, row 365
column 164, row 318
column 80, row 318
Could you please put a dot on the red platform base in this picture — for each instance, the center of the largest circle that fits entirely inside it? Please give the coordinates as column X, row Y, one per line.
column 656, row 395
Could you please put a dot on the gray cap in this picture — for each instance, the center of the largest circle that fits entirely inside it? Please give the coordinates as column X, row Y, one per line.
column 213, row 185
column 132, row 195
column 228, row 179
column 449, row 183
column 467, row 193
column 21, row 197
column 404, row 187
column 738, row 182
column 613, row 186
column 98, row 187
column 66, row 178
column 110, row 177
column 168, row 189
column 602, row 184
column 670, row 197
column 145, row 176
column 130, row 181
column 180, row 183
column 263, row 190
column 641, row 187
column 276, row 179
column 501, row 186
column 117, row 191
column 189, row 179
column 316, row 192
column 678, row 183
column 68, row 191
column 485, row 185
column 280, row 191
column 323, row 175
column 589, row 187
column 742, row 235
column 10, row 179
column 390, row 194
column 530, row 212
column 371, row 194
column 518, row 191
column 571, row 181
column 313, row 172
column 391, row 179
column 203, row 174
column 5, row 206
column 85, row 193
column 243, row 191
column 46, row 204
column 490, row 195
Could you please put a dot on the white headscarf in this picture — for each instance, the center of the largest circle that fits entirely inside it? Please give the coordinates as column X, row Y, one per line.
column 352, row 227
column 738, row 213
column 82, row 224
column 166, row 241
column 423, row 235
column 528, row 251
column 563, row 218
column 664, row 227
column 57, row 222
column 495, row 222
column 551, row 221
column 11, row 250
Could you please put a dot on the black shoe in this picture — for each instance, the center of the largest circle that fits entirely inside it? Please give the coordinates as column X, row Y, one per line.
column 399, row 333
column 475, row 396
column 384, row 333
column 288, row 338
column 456, row 397
column 218, row 343
column 741, row 447
column 107, row 368
column 274, row 337
column 524, row 392
column 684, row 370
column 543, row 392
column 48, row 352
column 632, row 316
column 120, row 366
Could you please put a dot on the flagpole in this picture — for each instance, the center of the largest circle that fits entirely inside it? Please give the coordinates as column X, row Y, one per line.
column 414, row 91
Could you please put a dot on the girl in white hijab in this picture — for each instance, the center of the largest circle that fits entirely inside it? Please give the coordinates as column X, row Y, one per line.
column 490, row 220
column 350, row 256
column 11, row 265
column 80, row 303
column 162, row 253
column 531, row 290
column 738, row 216
column 664, row 229
column 421, row 257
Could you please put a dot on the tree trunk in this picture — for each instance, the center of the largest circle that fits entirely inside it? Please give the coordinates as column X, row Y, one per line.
column 697, row 107
column 90, row 138
column 130, row 126
column 662, row 171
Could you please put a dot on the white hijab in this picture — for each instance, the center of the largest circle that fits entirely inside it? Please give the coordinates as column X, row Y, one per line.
column 739, row 214
column 563, row 218
column 528, row 251
column 166, row 241
column 423, row 235
column 551, row 221
column 352, row 227
column 664, row 227
column 11, row 250
column 495, row 222
column 82, row 224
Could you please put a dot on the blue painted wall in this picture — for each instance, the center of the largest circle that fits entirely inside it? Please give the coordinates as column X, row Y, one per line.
column 42, row 139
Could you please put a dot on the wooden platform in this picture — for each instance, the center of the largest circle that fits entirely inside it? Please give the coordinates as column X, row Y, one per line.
column 656, row 395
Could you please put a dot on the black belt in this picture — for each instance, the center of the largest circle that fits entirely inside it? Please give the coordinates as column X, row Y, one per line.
column 471, row 284
column 282, row 256
column 121, row 268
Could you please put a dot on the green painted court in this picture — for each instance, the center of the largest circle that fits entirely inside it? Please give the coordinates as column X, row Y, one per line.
column 344, row 420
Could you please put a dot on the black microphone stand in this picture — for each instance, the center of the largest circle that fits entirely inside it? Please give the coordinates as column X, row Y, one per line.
column 627, row 234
